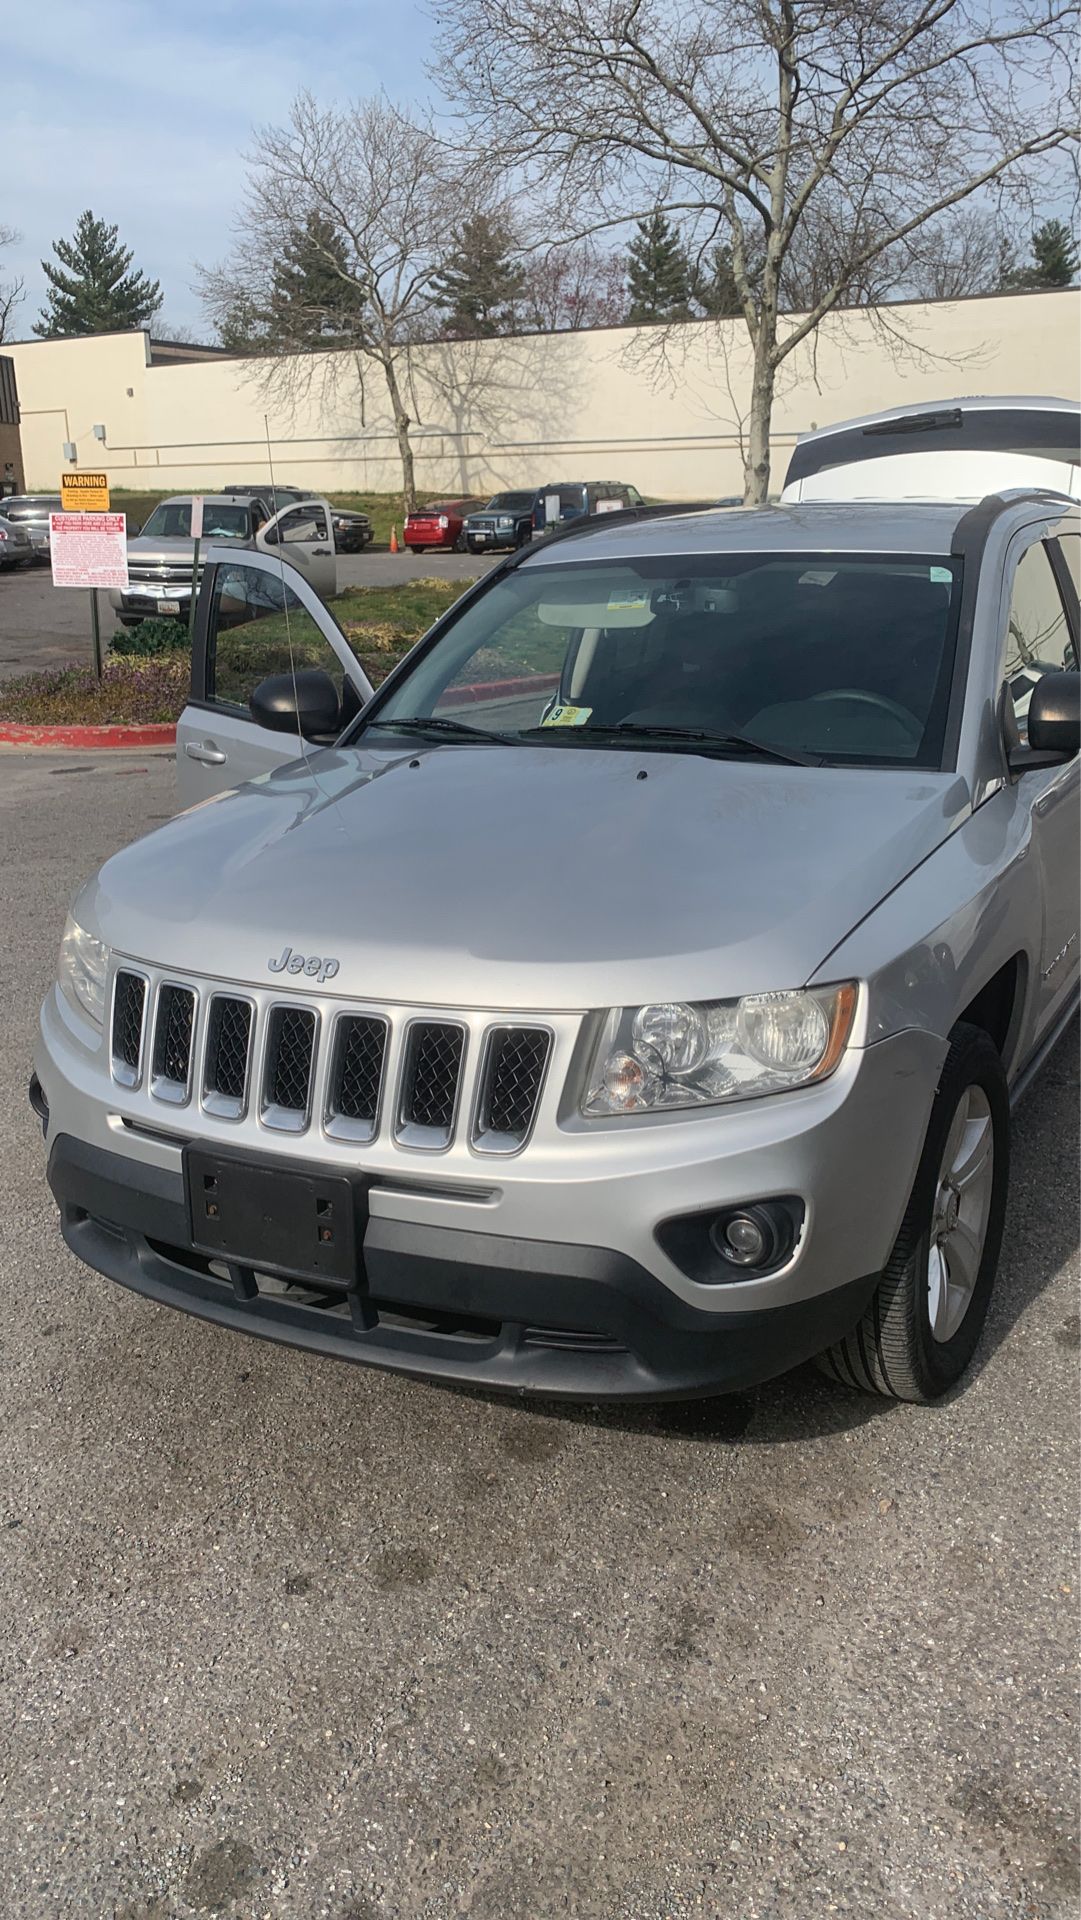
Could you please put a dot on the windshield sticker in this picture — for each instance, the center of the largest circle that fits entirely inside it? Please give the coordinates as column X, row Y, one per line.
column 628, row 600
column 816, row 578
column 567, row 717
column 941, row 576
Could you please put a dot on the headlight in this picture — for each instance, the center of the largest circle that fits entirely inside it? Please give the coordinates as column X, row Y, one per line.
column 505, row 520
column 84, row 963
column 679, row 1054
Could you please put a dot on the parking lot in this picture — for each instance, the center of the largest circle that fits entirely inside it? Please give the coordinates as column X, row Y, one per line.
column 286, row 1638
column 43, row 626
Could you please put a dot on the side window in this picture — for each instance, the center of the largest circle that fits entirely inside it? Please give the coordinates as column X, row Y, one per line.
column 1038, row 638
column 258, row 626
column 308, row 522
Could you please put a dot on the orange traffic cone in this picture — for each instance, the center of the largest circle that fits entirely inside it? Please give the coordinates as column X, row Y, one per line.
column 394, row 539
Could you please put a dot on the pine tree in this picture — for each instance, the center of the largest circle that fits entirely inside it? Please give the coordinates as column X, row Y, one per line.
column 315, row 300
column 1055, row 258
column 243, row 328
column 716, row 291
column 92, row 290
column 479, row 285
column 658, row 273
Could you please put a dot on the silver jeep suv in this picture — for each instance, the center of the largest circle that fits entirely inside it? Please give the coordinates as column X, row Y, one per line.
column 629, row 1000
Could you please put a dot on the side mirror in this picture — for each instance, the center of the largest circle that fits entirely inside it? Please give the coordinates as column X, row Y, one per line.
column 134, row 530
column 1054, row 714
column 305, row 702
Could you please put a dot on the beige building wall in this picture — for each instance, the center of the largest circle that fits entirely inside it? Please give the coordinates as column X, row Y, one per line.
column 661, row 412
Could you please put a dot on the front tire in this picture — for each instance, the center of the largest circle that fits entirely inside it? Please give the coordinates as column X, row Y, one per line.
column 925, row 1318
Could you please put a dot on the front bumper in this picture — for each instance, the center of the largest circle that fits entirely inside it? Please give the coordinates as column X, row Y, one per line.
column 570, row 1236
column 514, row 1316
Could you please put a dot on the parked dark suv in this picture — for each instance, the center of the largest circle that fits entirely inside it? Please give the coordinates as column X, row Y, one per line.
column 507, row 521
column 579, row 497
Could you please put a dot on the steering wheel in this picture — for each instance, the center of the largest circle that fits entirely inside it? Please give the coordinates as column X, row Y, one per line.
column 904, row 719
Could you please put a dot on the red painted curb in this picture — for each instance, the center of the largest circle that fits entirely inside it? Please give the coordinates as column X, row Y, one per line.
column 15, row 734
column 499, row 689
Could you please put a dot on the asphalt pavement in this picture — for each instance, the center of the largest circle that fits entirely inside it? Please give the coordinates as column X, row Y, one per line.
column 43, row 626
column 288, row 1638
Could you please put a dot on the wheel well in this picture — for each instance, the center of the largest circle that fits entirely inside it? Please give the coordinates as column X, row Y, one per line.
column 997, row 1005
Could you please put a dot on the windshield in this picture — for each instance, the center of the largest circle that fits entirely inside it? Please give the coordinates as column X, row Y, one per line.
column 847, row 659
column 172, row 521
column 510, row 502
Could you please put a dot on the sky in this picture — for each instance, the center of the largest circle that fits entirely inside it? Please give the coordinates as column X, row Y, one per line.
column 143, row 113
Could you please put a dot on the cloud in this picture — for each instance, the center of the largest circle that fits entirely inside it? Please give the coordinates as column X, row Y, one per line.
column 146, row 120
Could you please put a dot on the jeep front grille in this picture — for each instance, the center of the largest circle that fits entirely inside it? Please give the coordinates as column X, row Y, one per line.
column 510, row 1087
column 287, row 1077
column 171, row 1064
column 355, row 1074
column 129, row 1006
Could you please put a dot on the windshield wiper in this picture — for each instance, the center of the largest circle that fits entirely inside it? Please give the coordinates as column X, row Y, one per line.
column 693, row 737
column 436, row 723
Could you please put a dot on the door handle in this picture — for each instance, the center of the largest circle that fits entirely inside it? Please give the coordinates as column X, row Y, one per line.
column 207, row 755
column 321, row 550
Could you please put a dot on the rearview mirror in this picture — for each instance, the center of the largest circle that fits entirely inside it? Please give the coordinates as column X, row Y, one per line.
column 1054, row 715
column 305, row 702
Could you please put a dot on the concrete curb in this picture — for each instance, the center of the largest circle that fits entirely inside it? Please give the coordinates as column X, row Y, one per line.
column 15, row 734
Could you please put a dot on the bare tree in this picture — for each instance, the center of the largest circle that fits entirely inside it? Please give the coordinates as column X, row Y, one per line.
column 974, row 252
column 567, row 288
column 371, row 197
column 11, row 291
column 744, row 116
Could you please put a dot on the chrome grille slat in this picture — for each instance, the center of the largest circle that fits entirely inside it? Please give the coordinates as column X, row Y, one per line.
column 515, row 1063
column 356, row 1076
column 228, row 1055
column 129, row 1015
column 288, row 1066
column 430, row 1083
column 174, row 1023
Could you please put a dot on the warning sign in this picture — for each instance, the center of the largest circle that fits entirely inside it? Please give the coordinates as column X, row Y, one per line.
column 84, row 492
column 89, row 549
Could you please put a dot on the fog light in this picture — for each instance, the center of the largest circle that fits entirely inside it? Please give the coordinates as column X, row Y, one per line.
column 747, row 1238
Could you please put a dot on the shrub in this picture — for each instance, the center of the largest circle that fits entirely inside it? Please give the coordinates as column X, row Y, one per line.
column 150, row 638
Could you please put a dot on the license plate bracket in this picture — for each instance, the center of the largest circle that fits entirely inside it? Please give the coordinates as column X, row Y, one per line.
column 298, row 1223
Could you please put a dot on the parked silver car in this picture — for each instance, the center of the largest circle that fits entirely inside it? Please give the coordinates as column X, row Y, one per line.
column 16, row 548
column 630, row 1000
column 31, row 511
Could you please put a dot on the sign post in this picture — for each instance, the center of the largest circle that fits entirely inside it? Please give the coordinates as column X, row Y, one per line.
column 86, row 561
column 196, row 534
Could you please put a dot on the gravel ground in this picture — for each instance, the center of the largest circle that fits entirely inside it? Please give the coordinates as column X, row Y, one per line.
column 45, row 626
column 286, row 1638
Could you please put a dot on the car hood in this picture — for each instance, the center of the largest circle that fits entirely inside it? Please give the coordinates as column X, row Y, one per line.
column 524, row 877
column 168, row 552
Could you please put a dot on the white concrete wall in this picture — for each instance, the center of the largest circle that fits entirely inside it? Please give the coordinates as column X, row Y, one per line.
column 596, row 405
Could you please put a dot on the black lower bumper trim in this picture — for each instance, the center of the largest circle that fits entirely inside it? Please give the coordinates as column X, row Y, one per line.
column 503, row 1315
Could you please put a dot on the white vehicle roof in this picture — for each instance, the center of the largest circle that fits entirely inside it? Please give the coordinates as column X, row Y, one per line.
column 942, row 450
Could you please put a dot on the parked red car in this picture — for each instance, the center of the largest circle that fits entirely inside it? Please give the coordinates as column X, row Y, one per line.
column 440, row 525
